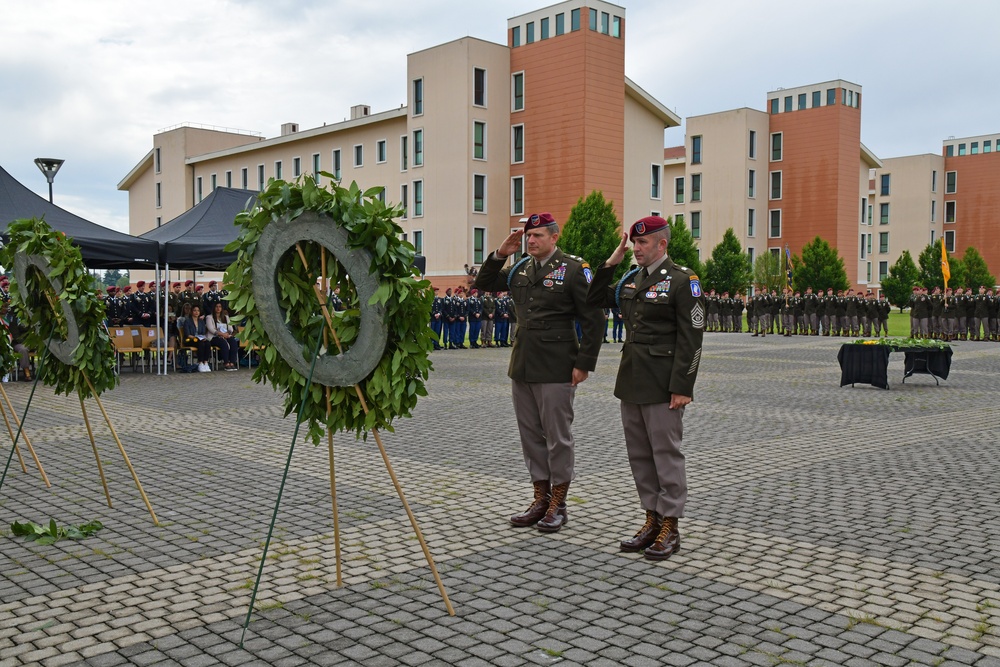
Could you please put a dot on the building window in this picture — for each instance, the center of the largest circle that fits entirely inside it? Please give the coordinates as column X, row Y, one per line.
column 863, row 246
column 214, row 180
column 159, row 221
column 159, row 193
column 260, row 177
column 336, row 163
column 949, row 240
column 883, row 271
column 605, row 23
column 381, row 195
column 479, row 193
column 404, row 156
column 802, row 101
column 517, row 144
column 560, row 24
column 884, row 189
column 593, row 20
column 156, row 160
column 974, row 148
column 831, row 96
column 679, row 190
column 695, row 187
column 752, row 184
column 316, row 166
column 479, row 140
column 988, row 146
column 751, row 221
column 883, row 242
column 817, row 98
column 679, row 218
column 933, row 210
column 517, row 194
column 418, row 198
column 696, row 150
column 418, row 96
column 529, row 32
column 198, row 188
column 296, row 166
column 934, row 180
column 950, row 182
column 750, row 256
column 277, row 169
column 517, row 94
column 752, row 152
column 654, row 182
column 870, row 211
column 775, row 185
column 696, row 224
column 616, row 27
column 774, row 105
column 544, row 28
column 404, row 198
column 961, row 149
column 359, row 155
column 478, row 245
column 774, row 228
column 515, row 36
column 229, row 179
column 574, row 19
column 418, row 148
column 869, row 272
column 788, row 103
column 950, row 151
column 949, row 211
column 776, row 147
column 418, row 241
column 883, row 214
column 932, row 237
column 380, row 151
column 479, row 87
column 244, row 179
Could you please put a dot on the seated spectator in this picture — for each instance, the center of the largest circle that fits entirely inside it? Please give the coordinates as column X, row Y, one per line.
column 196, row 335
column 221, row 330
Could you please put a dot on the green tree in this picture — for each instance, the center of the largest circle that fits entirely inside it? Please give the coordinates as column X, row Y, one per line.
column 977, row 273
column 111, row 277
column 728, row 270
column 124, row 280
column 820, row 267
column 930, row 268
column 767, row 272
column 682, row 249
column 898, row 285
column 593, row 231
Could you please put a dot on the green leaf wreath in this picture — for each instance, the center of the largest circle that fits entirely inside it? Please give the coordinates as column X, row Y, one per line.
column 8, row 357
column 392, row 388
column 95, row 355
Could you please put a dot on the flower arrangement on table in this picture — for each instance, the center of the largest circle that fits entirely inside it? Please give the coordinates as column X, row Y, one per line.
column 904, row 343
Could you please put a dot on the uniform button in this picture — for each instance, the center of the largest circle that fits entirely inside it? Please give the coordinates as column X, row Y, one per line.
column 531, row 298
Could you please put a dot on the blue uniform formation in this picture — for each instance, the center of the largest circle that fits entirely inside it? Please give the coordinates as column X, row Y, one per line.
column 461, row 321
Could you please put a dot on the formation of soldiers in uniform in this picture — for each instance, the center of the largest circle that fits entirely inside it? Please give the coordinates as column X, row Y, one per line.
column 955, row 314
column 797, row 314
column 486, row 319
column 125, row 307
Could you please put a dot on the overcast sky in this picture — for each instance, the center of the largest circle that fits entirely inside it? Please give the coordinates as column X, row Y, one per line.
column 91, row 82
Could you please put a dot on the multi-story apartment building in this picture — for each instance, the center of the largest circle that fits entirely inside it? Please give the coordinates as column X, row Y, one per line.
column 490, row 132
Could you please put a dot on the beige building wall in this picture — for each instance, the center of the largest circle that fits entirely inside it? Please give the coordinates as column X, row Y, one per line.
column 643, row 154
column 449, row 167
column 915, row 207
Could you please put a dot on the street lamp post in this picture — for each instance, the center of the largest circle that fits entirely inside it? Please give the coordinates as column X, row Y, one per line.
column 49, row 167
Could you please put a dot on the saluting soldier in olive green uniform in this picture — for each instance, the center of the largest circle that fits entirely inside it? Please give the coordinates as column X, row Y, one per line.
column 664, row 320
column 549, row 291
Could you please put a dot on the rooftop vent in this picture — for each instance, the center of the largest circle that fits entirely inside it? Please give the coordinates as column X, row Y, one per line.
column 360, row 111
column 289, row 128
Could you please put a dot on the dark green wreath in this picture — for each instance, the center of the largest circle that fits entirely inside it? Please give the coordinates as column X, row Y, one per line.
column 392, row 389
column 8, row 357
column 95, row 355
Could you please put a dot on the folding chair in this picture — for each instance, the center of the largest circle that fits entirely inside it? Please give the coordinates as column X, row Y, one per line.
column 155, row 346
column 127, row 341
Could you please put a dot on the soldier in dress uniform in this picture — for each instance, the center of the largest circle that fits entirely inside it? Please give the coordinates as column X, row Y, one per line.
column 712, row 302
column 981, row 316
column 828, row 308
column 664, row 319
column 738, row 313
column 174, row 300
column 448, row 315
column 111, row 309
column 810, row 310
column 922, row 311
column 994, row 314
column 461, row 309
column 549, row 290
column 189, row 295
column 762, row 310
column 617, row 325
column 211, row 297
column 489, row 318
column 436, row 318
column 503, row 320
column 937, row 313
column 752, row 314
column 475, row 315
column 967, row 317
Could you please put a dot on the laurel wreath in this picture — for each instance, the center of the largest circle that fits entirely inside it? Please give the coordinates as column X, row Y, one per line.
column 391, row 390
column 44, row 319
column 8, row 358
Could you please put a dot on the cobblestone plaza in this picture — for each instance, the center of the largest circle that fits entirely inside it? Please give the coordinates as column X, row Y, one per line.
column 826, row 526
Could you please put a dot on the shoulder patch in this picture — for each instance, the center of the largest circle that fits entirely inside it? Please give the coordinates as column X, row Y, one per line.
column 695, row 286
column 588, row 274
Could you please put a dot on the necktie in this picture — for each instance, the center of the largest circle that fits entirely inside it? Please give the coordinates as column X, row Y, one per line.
column 643, row 274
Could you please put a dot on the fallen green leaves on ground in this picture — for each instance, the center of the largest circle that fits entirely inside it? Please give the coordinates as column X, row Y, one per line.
column 52, row 532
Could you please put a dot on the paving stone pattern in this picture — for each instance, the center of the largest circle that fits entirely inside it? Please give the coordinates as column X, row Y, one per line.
column 826, row 526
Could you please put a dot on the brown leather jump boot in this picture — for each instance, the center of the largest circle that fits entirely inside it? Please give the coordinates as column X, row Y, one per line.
column 646, row 535
column 556, row 516
column 536, row 510
column 668, row 541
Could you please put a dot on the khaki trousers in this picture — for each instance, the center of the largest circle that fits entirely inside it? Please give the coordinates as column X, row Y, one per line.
column 544, row 414
column 653, row 435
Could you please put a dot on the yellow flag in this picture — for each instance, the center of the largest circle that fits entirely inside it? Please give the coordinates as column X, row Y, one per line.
column 945, row 269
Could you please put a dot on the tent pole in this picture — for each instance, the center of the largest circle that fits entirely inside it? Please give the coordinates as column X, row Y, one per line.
column 166, row 318
column 158, row 342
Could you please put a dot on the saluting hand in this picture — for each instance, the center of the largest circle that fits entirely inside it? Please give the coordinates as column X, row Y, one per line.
column 511, row 244
column 619, row 254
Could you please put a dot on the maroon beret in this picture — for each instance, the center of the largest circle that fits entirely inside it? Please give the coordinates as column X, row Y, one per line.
column 212, row 282
column 176, row 284
column 141, row 283
column 128, row 288
column 199, row 288
column 538, row 220
column 648, row 225
column 188, row 282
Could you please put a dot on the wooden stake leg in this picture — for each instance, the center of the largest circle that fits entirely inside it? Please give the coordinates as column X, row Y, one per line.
column 121, row 448
column 93, row 444
column 31, row 450
column 333, row 498
column 13, row 441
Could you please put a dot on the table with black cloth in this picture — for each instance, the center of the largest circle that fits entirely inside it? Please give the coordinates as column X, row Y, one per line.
column 869, row 364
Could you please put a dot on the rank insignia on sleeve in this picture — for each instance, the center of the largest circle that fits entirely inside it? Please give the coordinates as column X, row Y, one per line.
column 695, row 286
column 698, row 316
column 588, row 274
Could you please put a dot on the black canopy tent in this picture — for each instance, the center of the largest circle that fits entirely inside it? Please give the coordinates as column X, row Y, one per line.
column 195, row 239
column 102, row 248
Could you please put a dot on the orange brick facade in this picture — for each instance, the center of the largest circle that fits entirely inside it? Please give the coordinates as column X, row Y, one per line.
column 977, row 205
